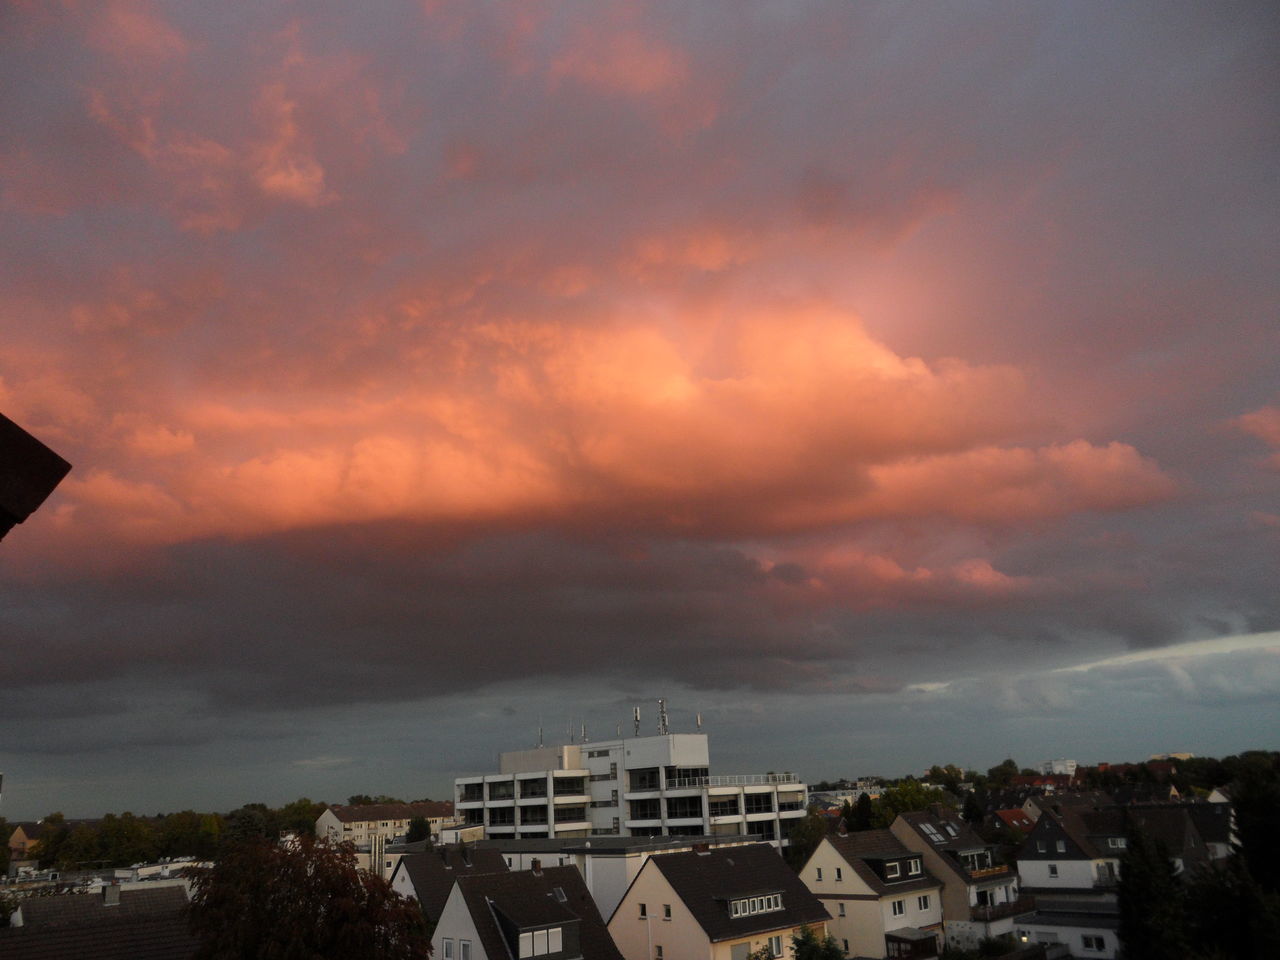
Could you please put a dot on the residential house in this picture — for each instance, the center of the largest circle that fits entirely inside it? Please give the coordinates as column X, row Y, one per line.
column 980, row 896
column 714, row 904
column 607, row 864
column 518, row 915
column 633, row 786
column 370, row 827
column 117, row 923
column 428, row 877
column 882, row 901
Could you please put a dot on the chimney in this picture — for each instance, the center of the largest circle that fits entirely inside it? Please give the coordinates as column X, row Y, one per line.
column 843, row 829
column 111, row 895
column 536, row 866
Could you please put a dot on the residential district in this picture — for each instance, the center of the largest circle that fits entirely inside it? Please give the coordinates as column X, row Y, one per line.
column 632, row 849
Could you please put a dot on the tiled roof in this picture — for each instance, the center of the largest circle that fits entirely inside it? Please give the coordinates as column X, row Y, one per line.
column 80, row 908
column 526, row 898
column 1015, row 819
column 391, row 811
column 866, row 851
column 706, row 881
column 434, row 872
column 955, row 833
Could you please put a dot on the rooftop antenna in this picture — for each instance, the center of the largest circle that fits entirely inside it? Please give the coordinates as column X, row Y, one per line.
column 663, row 728
column 698, row 717
column 584, row 732
column 539, row 732
column 636, row 712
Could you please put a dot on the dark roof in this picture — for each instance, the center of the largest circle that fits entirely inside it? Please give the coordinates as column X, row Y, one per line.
column 391, row 811
column 1089, row 829
column 147, row 924
column 1213, row 820
column 866, row 852
column 156, row 937
column 501, row 903
column 28, row 473
column 433, row 873
column 80, row 908
column 605, row 844
column 706, row 881
column 955, row 833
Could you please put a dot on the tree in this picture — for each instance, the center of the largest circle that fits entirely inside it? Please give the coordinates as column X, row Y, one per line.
column 53, row 834
column 300, row 900
column 81, row 849
column 807, row 946
column 1152, row 901
column 863, row 811
column 419, row 829
column 300, row 815
column 5, row 831
column 244, row 824
column 805, row 836
column 906, row 796
column 1002, row 774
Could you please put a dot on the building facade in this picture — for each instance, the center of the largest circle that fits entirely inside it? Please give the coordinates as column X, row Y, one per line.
column 635, row 786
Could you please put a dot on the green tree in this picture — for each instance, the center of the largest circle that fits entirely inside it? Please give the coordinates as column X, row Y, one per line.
column 127, row 839
column 244, row 824
column 808, row 946
column 298, row 901
column 1230, row 915
column 53, row 834
column 863, row 813
column 1002, row 774
column 81, row 850
column 805, row 836
column 419, row 829
column 300, row 815
column 906, row 796
column 1152, row 901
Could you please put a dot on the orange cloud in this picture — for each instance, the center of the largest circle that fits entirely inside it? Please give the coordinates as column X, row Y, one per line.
column 1263, row 423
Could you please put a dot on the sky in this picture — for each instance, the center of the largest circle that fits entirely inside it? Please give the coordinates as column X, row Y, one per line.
column 889, row 384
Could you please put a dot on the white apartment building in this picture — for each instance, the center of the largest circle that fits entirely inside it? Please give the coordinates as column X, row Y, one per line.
column 634, row 786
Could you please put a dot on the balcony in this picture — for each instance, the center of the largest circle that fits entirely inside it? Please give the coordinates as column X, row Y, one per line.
column 999, row 871
column 749, row 780
column 998, row 911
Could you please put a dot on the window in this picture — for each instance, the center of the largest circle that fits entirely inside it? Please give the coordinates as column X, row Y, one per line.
column 1062, row 846
column 657, row 952
column 1116, row 843
column 893, row 869
column 775, row 946
column 666, row 911
column 1041, row 846
column 819, row 873
column 923, row 902
column 749, row 905
column 644, row 911
column 839, row 874
column 914, row 867
column 899, row 907
column 1053, row 871
column 846, row 946
column 464, row 950
column 447, row 948
column 1094, row 943
column 840, row 908
column 539, row 943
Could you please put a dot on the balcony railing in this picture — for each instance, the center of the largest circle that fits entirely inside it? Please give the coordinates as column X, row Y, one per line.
column 749, row 780
column 999, row 911
column 983, row 873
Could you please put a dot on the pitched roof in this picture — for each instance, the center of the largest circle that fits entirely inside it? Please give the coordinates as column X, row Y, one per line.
column 391, row 811
column 147, row 924
column 434, row 872
column 707, row 881
column 1015, row 820
column 951, row 832
column 866, row 852
column 501, row 903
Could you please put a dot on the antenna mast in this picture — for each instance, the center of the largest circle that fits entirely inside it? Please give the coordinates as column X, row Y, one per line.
column 663, row 728
column 636, row 712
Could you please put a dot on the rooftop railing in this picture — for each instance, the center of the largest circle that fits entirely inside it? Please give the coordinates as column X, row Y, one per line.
column 747, row 780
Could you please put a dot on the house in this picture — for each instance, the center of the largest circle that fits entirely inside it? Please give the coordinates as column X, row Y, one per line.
column 717, row 904
column 1016, row 821
column 1086, row 929
column 607, row 864
column 980, row 896
column 517, row 915
column 882, row 901
column 370, row 827
column 147, row 922
column 428, row 877
column 633, row 786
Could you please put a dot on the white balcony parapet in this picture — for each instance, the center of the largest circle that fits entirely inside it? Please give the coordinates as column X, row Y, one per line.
column 747, row 780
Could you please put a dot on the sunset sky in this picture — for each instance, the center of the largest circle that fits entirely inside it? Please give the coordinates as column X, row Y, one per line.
column 892, row 384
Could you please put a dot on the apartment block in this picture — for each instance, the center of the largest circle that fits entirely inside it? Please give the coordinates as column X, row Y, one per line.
column 634, row 786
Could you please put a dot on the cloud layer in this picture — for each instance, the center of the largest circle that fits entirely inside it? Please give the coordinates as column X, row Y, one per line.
column 801, row 347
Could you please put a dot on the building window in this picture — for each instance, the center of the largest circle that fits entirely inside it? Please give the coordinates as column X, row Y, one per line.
column 923, row 902
column 846, row 946
column 840, row 908
column 775, row 946
column 893, row 870
column 839, row 874
column 1062, row 846
column 447, row 951
column 899, row 907
column 541, row 942
column 913, row 867
column 749, row 905
column 1041, row 846
column 464, row 950
column 666, row 911
column 644, row 911
column 1094, row 943
column 1053, row 871
column 657, row 952
column 1116, row 843
column 819, row 869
